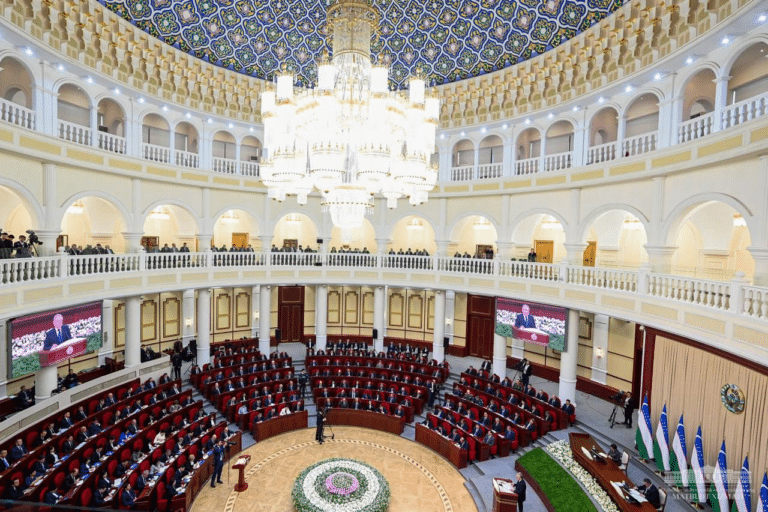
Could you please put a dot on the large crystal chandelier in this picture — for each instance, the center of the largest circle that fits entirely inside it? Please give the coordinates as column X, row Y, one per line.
column 349, row 137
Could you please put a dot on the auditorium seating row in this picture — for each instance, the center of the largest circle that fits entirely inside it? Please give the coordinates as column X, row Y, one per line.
column 368, row 405
column 503, row 445
column 478, row 450
column 417, row 394
column 524, row 436
column 207, row 385
column 124, row 396
column 424, row 371
column 246, row 421
column 562, row 418
column 222, row 399
column 246, row 368
column 362, row 395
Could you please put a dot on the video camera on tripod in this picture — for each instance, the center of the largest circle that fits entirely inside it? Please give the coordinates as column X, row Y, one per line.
column 618, row 400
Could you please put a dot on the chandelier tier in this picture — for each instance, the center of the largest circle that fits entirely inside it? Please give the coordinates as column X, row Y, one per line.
column 350, row 138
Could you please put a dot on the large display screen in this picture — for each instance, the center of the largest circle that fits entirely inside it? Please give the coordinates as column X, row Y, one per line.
column 46, row 339
column 531, row 322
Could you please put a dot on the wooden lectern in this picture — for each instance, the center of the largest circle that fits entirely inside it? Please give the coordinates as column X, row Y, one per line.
column 71, row 348
column 504, row 497
column 242, row 461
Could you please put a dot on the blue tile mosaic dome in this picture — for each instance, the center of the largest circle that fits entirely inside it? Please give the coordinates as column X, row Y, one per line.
column 446, row 40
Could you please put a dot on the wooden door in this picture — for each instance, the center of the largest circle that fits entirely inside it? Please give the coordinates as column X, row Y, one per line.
column 481, row 312
column 590, row 254
column 240, row 240
column 290, row 243
column 150, row 243
column 483, row 251
column 545, row 250
column 290, row 313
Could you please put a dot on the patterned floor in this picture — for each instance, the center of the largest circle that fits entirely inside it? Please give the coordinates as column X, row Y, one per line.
column 419, row 478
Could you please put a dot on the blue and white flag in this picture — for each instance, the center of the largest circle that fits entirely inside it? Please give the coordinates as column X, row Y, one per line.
column 762, row 502
column 661, row 443
column 742, row 499
column 699, row 490
column 678, row 459
column 643, row 436
column 718, row 491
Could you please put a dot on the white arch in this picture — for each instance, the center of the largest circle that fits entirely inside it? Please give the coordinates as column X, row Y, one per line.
column 737, row 50
column 236, row 206
column 608, row 104
column 172, row 202
column 595, row 214
column 556, row 120
column 191, row 122
column 22, row 60
column 465, row 215
column 642, row 92
column 105, row 96
column 391, row 225
column 105, row 196
column 28, row 199
column 671, row 224
column 157, row 112
column 254, row 135
column 702, row 66
column 537, row 211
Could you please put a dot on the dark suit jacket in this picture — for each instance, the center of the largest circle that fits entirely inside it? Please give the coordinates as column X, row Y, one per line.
column 14, row 493
column 527, row 322
column 50, row 498
column 52, row 339
column 651, row 494
column 520, row 490
column 127, row 498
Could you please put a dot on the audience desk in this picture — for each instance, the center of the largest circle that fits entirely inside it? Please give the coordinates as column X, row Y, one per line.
column 279, row 425
column 441, row 445
column 366, row 419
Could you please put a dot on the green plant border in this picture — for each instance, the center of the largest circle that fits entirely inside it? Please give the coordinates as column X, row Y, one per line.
column 557, row 485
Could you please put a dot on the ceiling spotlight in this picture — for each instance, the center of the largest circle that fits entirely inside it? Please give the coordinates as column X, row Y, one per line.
column 504, row 126
column 29, row 51
column 551, row 115
column 251, row 130
column 601, row 100
column 141, row 100
column 689, row 60
column 165, row 108
column 761, row 18
column 442, row 135
column 657, row 76
column 463, row 134
column 527, row 121
column 230, row 126
column 89, row 80
column 483, row 130
column 726, row 41
column 60, row 67
column 117, row 91
column 188, row 115
column 628, row 88
column 209, row 120
column 575, row 108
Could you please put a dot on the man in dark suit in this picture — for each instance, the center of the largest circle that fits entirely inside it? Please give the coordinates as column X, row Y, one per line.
column 127, row 497
column 71, row 480
column 141, row 481
column 218, row 463
column 51, row 497
column 520, row 491
column 319, row 429
column 525, row 320
column 4, row 462
column 25, row 398
column 651, row 492
column 58, row 335
column 65, row 422
column 98, row 497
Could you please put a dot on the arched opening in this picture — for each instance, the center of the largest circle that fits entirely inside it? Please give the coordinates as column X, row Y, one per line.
column 238, row 229
column 544, row 234
column 250, row 155
column 463, row 154
column 698, row 106
column 490, row 157
column 528, row 151
column 224, row 152
column 15, row 216
column 186, row 144
column 414, row 234
column 641, row 132
column 473, row 236
column 603, row 132
column 712, row 240
column 360, row 239
column 110, row 119
column 292, row 231
column 92, row 225
column 74, row 114
column 169, row 227
column 748, row 83
column 156, row 138
column 558, row 147
column 16, row 91
column 616, row 238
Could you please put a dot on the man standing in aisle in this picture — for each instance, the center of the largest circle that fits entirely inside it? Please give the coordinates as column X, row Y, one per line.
column 520, row 491
column 218, row 463
column 320, row 422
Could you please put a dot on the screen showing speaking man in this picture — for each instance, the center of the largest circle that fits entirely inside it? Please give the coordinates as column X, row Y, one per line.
column 525, row 319
column 541, row 324
column 40, row 333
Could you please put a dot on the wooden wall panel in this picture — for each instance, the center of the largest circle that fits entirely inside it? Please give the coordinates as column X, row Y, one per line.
column 243, row 310
column 149, row 320
column 171, row 317
column 334, row 308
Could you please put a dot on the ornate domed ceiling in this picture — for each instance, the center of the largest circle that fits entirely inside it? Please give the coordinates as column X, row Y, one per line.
column 448, row 40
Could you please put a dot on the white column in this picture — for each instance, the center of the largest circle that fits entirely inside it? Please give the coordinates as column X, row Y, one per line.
column 94, row 125
column 450, row 314
column 499, row 355
column 378, row 318
column 760, row 255
column 660, row 257
column 600, row 348
column 107, row 328
column 518, row 348
column 46, row 380
column 508, row 157
column 132, row 241
column 266, row 242
column 321, row 316
column 46, row 110
column 621, row 133
column 569, row 359
column 721, row 100
column 438, row 352
column 543, row 152
column 3, row 358
column 580, row 141
column 132, row 331
column 255, row 304
column 203, row 326
column 188, row 315
column 265, row 312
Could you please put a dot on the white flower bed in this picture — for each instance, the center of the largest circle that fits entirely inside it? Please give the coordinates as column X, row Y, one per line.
column 561, row 452
column 363, row 489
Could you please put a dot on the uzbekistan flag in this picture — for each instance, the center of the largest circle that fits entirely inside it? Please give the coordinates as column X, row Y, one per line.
column 718, row 491
column 762, row 502
column 661, row 443
column 643, row 436
column 742, row 500
column 698, row 491
column 678, row 459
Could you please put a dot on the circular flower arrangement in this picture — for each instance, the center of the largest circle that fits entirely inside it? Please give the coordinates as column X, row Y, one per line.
column 340, row 485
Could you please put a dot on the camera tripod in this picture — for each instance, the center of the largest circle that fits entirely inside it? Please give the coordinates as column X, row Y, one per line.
column 612, row 417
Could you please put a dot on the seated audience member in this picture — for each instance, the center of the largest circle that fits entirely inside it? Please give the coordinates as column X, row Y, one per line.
column 71, row 480
column 5, row 463
column 14, row 492
column 127, row 497
column 51, row 497
column 141, row 481
column 651, row 492
column 614, row 454
column 568, row 408
column 97, row 500
column 80, row 415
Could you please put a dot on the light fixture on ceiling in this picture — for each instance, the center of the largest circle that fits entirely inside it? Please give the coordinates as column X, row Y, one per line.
column 689, row 60
column 77, row 208
column 527, row 121
column 601, row 100
column 116, row 90
column 633, row 224
column 350, row 138
column 188, row 115
column 482, row 224
column 725, row 41
column 628, row 89
column 230, row 218
column 550, row 115
column 60, row 67
column 293, row 219
column 657, row 77
column 504, row 126
column 414, row 224
column 141, row 100
column 599, row 352
column 551, row 223
column 165, row 108
column 738, row 221
column 159, row 214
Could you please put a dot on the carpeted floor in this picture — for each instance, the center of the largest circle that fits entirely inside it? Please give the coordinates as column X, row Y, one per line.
column 419, row 479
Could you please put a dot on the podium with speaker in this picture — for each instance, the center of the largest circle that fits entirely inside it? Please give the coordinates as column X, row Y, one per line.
column 504, row 497
column 240, row 465
column 71, row 348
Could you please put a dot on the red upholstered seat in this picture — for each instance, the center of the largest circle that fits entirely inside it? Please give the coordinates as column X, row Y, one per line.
column 87, row 453
column 472, row 448
column 433, row 421
column 169, row 474
column 447, row 426
column 144, row 465
column 73, row 463
column 193, row 450
column 58, row 479
column 121, row 393
column 132, row 478
column 101, row 442
column 111, row 468
column 156, row 455
column 85, row 497
column 31, row 437
column 162, row 503
column 125, row 455
column 106, row 418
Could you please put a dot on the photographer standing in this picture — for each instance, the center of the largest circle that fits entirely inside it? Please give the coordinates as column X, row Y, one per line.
column 22, row 248
column 629, row 408
column 526, row 370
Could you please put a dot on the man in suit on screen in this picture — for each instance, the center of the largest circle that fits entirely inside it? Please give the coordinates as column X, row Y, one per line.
column 58, row 335
column 524, row 319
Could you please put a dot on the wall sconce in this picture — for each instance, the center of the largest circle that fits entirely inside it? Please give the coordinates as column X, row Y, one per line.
column 188, row 322
column 448, row 321
column 599, row 352
column 256, row 315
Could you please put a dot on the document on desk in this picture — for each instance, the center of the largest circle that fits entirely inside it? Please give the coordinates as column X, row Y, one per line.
column 586, row 452
column 502, row 486
column 242, row 461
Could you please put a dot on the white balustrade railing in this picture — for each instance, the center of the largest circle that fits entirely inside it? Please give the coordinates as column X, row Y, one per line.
column 225, row 165
column 755, row 302
column 407, row 261
column 463, row 173
column 611, row 279
column 156, row 153
column 696, row 128
column 249, row 169
column 12, row 113
column 558, row 161
column 490, row 171
column 109, row 142
column 76, row 133
column 714, row 294
column 101, row 264
column 639, row 144
column 745, row 110
column 186, row 159
column 29, row 269
column 466, row 265
column 527, row 166
column 601, row 153
column 529, row 270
